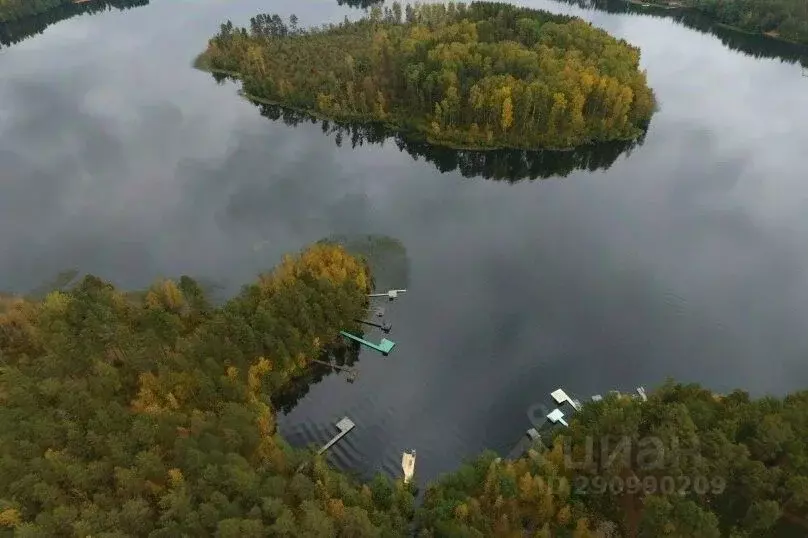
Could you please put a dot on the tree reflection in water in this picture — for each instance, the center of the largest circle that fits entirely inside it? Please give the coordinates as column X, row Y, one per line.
column 385, row 255
column 757, row 46
column 284, row 400
column 16, row 31
column 361, row 4
column 504, row 164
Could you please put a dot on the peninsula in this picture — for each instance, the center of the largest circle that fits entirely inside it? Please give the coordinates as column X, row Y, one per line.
column 478, row 76
column 148, row 415
column 780, row 19
column 784, row 20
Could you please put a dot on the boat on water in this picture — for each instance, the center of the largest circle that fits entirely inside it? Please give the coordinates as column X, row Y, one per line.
column 408, row 465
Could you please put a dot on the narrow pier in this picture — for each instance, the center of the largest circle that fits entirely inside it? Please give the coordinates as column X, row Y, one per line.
column 344, row 426
column 390, row 294
column 384, row 347
column 556, row 420
column 530, row 439
column 384, row 326
column 350, row 371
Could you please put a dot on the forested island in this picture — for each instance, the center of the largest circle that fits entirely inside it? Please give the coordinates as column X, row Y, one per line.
column 147, row 414
column 486, row 75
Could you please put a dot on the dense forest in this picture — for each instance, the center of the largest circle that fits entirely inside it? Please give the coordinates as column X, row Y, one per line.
column 686, row 463
column 786, row 19
column 15, row 30
column 485, row 75
column 147, row 414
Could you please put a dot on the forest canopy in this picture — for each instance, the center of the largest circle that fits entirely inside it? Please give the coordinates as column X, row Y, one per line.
column 735, row 467
column 147, row 415
column 786, row 19
column 484, row 75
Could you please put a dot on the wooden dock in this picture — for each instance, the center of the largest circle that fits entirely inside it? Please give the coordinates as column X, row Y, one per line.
column 384, row 347
column 344, row 426
column 531, row 438
column 390, row 294
column 351, row 371
column 384, row 326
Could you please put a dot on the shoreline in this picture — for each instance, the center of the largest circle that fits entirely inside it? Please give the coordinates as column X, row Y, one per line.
column 201, row 64
column 416, row 135
column 671, row 7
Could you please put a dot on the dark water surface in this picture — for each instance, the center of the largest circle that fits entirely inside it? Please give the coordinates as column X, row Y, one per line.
column 685, row 258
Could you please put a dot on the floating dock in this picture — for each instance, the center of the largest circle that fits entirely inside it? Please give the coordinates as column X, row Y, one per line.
column 384, row 347
column 557, row 416
column 344, row 426
column 562, row 397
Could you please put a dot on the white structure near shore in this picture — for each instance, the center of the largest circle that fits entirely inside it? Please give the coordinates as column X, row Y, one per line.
column 408, row 465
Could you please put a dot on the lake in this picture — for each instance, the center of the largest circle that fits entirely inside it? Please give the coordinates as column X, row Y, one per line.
column 685, row 256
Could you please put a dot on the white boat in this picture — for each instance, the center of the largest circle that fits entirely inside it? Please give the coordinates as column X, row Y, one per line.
column 408, row 465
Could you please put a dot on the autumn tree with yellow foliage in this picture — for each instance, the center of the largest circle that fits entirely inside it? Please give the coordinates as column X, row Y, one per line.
column 495, row 498
column 736, row 466
column 148, row 415
column 484, row 75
